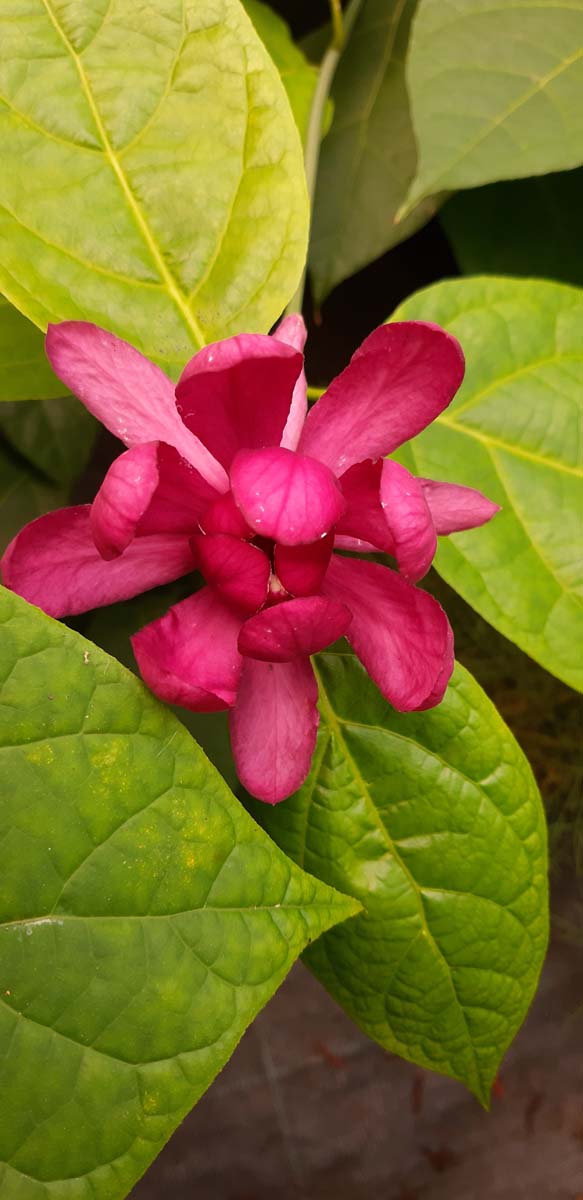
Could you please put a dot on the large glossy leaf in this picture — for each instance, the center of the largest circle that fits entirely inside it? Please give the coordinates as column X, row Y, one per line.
column 434, row 821
column 495, row 91
column 146, row 919
column 520, row 227
column 152, row 171
column 368, row 157
column 514, row 431
column 298, row 76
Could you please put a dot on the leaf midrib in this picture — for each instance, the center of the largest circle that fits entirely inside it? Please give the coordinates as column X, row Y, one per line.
column 139, row 218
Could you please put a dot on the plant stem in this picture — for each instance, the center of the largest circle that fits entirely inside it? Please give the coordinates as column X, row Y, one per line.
column 341, row 27
column 337, row 23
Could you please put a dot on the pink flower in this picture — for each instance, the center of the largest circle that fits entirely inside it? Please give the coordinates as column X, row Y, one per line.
column 230, row 473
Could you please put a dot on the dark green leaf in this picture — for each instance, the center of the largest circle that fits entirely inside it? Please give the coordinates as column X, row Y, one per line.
column 495, row 91
column 23, row 496
column 368, row 157
column 434, row 822
column 514, row 432
column 152, row 173
column 57, row 436
column 146, row 918
column 522, row 227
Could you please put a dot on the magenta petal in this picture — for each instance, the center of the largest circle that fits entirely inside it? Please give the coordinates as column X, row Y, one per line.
column 237, row 393
column 273, row 727
column 189, row 656
column 293, row 331
column 240, row 572
column 364, row 518
column 130, row 395
column 301, row 569
column 54, row 563
column 286, row 496
column 181, row 497
column 440, row 686
column 356, row 545
column 294, row 629
column 409, row 520
column 223, row 516
column 396, row 383
column 400, row 634
column 454, row 507
column 123, row 498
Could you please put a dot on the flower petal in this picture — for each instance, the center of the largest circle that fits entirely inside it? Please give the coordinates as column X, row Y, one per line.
column 123, row 498
column 454, row 507
column 130, row 395
column 54, row 563
column 294, row 629
column 301, row 569
column 286, row 496
column 238, row 571
column 399, row 380
column 293, row 331
column 400, row 634
column 440, row 686
column 409, row 520
column 180, row 499
column 273, row 727
column 189, row 656
column 364, row 518
column 237, row 393
column 223, row 516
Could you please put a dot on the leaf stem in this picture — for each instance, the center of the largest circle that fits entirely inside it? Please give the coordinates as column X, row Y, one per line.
column 341, row 30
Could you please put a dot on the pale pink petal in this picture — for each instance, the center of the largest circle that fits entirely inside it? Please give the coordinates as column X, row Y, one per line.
column 54, row 563
column 286, row 496
column 237, row 393
column 223, row 516
column 123, row 498
column 364, row 518
column 409, row 520
column 454, row 507
column 400, row 633
column 301, row 569
column 400, row 379
column 294, row 629
column 293, row 331
column 130, row 395
column 180, row 499
column 273, row 727
column 189, row 656
column 238, row 571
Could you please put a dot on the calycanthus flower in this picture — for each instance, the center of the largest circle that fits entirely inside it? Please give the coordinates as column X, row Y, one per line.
column 229, row 472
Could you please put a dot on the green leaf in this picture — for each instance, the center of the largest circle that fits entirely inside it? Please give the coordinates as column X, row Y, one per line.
column 495, row 91
column 514, row 432
column 54, row 432
column 152, row 173
column 25, row 373
column 298, row 76
column 521, row 227
column 368, row 158
column 24, row 495
column 146, row 918
column 434, row 822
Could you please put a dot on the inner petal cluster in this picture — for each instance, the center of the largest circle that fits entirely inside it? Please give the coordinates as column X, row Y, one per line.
column 265, row 545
